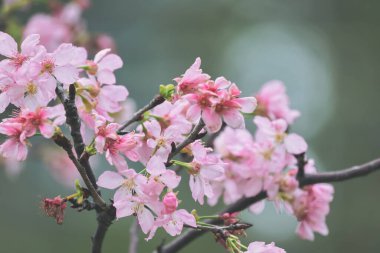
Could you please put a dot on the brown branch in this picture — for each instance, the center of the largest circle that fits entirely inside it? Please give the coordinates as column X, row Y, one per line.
column 301, row 162
column 73, row 120
column 139, row 114
column 65, row 143
column 105, row 219
column 308, row 179
column 342, row 175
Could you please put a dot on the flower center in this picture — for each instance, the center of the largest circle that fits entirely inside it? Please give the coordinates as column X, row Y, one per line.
column 18, row 60
column 48, row 66
column 31, row 88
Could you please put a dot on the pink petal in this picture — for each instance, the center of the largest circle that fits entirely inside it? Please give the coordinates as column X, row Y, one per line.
column 124, row 208
column 106, row 76
column 110, row 180
column 29, row 44
column 295, row 144
column 155, row 166
column 64, row 54
column 101, row 54
column 47, row 130
column 212, row 120
column 170, row 179
column 8, row 46
column 193, row 113
column 248, row 104
column 111, row 62
column 4, row 101
column 146, row 220
column 234, row 119
column 186, row 217
column 66, row 74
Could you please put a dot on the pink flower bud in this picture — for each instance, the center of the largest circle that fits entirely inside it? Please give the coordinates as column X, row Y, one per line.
column 170, row 202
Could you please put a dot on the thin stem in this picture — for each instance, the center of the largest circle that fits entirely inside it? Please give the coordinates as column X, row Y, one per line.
column 194, row 135
column 138, row 115
column 64, row 143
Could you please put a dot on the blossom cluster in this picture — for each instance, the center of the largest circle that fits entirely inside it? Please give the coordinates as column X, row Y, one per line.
column 238, row 165
column 28, row 81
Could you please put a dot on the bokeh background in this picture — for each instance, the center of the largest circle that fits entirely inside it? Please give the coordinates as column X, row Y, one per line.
column 326, row 51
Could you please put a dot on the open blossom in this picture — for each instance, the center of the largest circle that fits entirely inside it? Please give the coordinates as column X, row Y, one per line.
column 171, row 219
column 204, row 169
column 192, row 78
column 114, row 145
column 104, row 65
column 29, row 48
column 32, row 90
column 95, row 98
column 213, row 101
column 261, row 247
column 126, row 182
column 15, row 147
column 160, row 140
column 172, row 114
column 311, row 207
column 273, row 102
column 275, row 131
column 62, row 63
column 136, row 206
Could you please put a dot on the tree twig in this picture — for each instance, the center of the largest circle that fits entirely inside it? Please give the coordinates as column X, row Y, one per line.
column 138, row 115
column 194, row 135
column 73, row 120
column 65, row 143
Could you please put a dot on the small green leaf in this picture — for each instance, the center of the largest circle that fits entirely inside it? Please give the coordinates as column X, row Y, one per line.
column 167, row 91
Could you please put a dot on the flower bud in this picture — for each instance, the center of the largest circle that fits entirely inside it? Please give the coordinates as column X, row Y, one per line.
column 170, row 202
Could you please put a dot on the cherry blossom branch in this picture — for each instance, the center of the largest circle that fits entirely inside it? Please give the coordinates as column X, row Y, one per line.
column 308, row 179
column 159, row 99
column 65, row 143
column 73, row 120
column 342, row 175
column 105, row 219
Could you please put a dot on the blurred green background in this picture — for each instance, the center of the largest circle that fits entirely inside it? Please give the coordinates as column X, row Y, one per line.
column 326, row 51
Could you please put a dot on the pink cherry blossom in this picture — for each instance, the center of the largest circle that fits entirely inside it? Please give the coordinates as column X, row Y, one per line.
column 114, row 145
column 29, row 48
column 204, row 168
column 104, row 65
column 171, row 219
column 274, row 102
column 276, row 131
column 136, row 206
column 62, row 63
column 311, row 207
column 15, row 147
column 193, row 77
column 126, row 182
